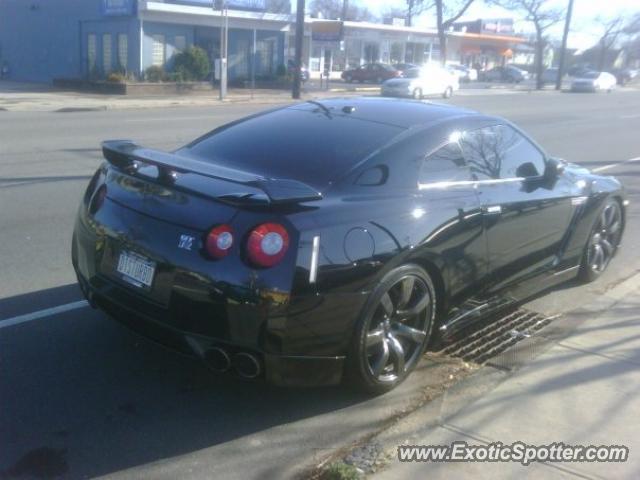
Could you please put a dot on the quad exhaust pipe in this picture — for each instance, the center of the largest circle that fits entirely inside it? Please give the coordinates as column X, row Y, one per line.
column 246, row 364
column 217, row 359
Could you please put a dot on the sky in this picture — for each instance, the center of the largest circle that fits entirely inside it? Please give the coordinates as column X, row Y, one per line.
column 585, row 31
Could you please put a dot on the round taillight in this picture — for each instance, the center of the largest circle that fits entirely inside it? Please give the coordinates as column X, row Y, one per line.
column 97, row 200
column 219, row 241
column 267, row 244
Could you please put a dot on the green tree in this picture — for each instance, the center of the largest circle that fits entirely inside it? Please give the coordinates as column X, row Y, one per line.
column 192, row 64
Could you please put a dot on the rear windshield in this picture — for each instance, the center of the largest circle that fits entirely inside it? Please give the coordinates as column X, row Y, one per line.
column 304, row 143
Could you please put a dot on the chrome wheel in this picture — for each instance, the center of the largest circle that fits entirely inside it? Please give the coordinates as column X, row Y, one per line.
column 605, row 238
column 398, row 328
column 417, row 94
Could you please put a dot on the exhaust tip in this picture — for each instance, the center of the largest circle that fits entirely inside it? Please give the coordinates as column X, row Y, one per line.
column 217, row 359
column 246, row 364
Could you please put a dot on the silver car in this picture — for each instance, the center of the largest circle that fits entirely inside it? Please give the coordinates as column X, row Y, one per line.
column 593, row 82
column 418, row 82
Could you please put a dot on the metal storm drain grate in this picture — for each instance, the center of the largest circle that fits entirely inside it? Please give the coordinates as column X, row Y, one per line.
column 496, row 341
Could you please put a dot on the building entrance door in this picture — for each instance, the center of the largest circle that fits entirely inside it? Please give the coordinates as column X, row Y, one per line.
column 371, row 53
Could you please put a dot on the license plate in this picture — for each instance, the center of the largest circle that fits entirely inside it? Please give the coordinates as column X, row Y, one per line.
column 135, row 269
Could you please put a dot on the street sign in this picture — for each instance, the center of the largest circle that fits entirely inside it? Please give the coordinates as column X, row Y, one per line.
column 118, row 7
column 326, row 30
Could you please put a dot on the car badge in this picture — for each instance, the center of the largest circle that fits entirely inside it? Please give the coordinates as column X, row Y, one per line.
column 186, row 242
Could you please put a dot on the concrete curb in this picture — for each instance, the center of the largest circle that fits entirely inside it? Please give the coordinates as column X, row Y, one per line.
column 434, row 412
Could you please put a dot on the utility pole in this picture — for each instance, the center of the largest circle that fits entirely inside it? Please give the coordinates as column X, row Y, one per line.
column 224, row 38
column 345, row 9
column 297, row 80
column 563, row 50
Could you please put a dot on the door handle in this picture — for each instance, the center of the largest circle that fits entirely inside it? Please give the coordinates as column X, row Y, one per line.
column 493, row 209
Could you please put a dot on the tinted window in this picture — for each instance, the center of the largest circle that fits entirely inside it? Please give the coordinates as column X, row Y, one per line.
column 444, row 165
column 304, row 143
column 501, row 152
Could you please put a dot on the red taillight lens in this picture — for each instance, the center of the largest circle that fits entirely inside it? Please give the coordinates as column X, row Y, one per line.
column 97, row 199
column 219, row 241
column 267, row 244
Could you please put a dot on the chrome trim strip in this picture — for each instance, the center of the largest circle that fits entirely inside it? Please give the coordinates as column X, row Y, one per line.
column 426, row 186
column 313, row 268
column 566, row 270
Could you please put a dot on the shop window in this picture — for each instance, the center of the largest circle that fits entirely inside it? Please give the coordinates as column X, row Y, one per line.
column 123, row 51
column 396, row 52
column 92, row 50
column 106, row 53
column 180, row 43
column 158, row 51
column 267, row 53
column 314, row 61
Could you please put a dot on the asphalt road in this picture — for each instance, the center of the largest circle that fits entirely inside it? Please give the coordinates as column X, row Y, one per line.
column 81, row 397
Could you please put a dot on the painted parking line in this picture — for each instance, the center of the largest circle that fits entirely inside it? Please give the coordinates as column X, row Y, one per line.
column 613, row 165
column 10, row 322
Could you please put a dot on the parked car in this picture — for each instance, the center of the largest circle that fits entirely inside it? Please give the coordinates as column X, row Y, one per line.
column 578, row 70
column 304, row 71
column 593, row 82
column 550, row 75
column 464, row 73
column 624, row 75
column 371, row 72
column 330, row 240
column 403, row 67
column 506, row 74
column 418, row 82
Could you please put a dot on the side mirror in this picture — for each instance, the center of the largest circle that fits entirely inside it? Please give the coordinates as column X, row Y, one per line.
column 555, row 168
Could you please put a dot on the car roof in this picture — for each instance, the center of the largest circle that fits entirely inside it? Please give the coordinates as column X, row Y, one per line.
column 391, row 111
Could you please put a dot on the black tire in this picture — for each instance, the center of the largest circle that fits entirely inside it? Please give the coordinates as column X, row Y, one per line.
column 603, row 241
column 348, row 79
column 417, row 93
column 392, row 331
column 448, row 93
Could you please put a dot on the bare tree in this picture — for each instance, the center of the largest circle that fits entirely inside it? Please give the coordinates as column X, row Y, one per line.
column 612, row 28
column 632, row 40
column 542, row 16
column 278, row 6
column 395, row 12
column 447, row 12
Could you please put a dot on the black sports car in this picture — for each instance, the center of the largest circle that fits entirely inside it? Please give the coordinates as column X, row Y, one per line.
column 334, row 239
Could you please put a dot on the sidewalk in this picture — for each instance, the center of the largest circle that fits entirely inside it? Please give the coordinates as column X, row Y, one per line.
column 584, row 390
column 15, row 96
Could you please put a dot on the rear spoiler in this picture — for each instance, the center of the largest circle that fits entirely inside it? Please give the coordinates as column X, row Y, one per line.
column 124, row 154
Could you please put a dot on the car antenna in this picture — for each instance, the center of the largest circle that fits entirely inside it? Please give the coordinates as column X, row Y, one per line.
column 326, row 111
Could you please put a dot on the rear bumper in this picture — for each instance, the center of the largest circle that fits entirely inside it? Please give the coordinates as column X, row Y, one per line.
column 276, row 369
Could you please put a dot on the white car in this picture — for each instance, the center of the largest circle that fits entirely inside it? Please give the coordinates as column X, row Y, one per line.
column 593, row 82
column 418, row 82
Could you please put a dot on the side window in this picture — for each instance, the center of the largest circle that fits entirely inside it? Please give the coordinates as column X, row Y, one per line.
column 446, row 164
column 481, row 150
column 520, row 158
column 501, row 152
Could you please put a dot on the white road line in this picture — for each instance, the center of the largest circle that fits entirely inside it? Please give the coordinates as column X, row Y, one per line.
column 167, row 119
column 607, row 167
column 10, row 322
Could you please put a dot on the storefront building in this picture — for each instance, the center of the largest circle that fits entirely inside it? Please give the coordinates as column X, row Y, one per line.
column 362, row 42
column 91, row 38
column 483, row 43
